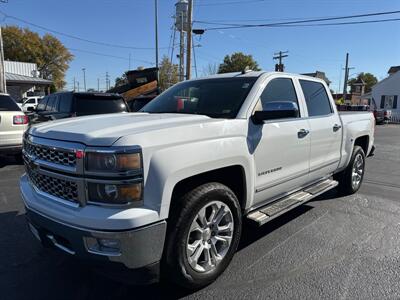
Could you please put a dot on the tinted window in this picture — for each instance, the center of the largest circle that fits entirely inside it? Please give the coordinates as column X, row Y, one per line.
column 42, row 103
column 218, row 98
column 279, row 89
column 8, row 104
column 138, row 104
column 51, row 104
column 91, row 105
column 56, row 104
column 317, row 99
column 65, row 103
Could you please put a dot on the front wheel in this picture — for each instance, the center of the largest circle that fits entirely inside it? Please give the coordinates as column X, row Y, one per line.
column 203, row 235
column 351, row 178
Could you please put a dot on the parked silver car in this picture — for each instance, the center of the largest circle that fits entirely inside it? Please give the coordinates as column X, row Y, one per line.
column 13, row 123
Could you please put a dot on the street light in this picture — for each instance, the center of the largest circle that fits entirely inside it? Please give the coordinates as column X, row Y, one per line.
column 84, row 79
column 156, row 37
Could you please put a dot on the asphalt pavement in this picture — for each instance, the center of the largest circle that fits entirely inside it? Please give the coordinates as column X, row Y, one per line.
column 331, row 248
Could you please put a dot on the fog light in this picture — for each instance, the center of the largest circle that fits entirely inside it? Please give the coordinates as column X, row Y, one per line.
column 109, row 244
column 103, row 246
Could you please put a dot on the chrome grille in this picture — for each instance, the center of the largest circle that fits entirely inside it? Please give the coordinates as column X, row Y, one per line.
column 62, row 157
column 61, row 188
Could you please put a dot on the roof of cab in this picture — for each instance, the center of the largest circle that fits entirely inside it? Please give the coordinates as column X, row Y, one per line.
column 258, row 74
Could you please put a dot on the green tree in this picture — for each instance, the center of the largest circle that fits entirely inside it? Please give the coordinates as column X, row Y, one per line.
column 168, row 73
column 50, row 55
column 121, row 80
column 369, row 79
column 238, row 62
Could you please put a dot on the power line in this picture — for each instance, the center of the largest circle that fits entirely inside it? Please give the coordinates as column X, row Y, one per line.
column 277, row 24
column 262, row 20
column 344, row 23
column 6, row 16
column 108, row 55
column 229, row 3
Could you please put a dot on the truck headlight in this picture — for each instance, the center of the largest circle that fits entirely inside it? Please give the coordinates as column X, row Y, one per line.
column 109, row 162
column 110, row 193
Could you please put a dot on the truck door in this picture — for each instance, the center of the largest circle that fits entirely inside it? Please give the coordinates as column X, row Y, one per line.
column 325, row 129
column 281, row 146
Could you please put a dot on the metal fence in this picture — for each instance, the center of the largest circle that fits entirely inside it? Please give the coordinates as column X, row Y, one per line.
column 395, row 117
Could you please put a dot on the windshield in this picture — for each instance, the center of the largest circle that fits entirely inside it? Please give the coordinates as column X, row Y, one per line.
column 99, row 105
column 216, row 98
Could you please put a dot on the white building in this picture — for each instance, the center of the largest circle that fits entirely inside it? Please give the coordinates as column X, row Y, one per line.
column 23, row 78
column 387, row 91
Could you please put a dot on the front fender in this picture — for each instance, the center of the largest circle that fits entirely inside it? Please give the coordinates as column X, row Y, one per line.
column 169, row 166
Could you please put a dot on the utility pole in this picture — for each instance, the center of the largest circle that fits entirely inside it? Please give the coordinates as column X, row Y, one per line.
column 189, row 41
column 78, row 86
column 346, row 77
column 98, row 84
column 280, row 67
column 194, row 58
column 107, row 81
column 156, row 28
column 84, row 79
column 3, row 85
column 74, row 84
column 181, row 51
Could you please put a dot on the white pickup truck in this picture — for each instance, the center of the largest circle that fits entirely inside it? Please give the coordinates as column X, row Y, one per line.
column 165, row 190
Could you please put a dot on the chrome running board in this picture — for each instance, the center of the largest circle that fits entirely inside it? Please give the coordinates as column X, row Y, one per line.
column 272, row 210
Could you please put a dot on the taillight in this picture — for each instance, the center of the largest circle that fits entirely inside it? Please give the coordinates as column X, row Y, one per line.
column 20, row 120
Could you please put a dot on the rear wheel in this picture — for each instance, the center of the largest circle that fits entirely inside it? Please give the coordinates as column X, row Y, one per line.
column 203, row 235
column 351, row 178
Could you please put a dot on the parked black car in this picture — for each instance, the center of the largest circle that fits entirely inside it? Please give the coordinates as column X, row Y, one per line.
column 139, row 102
column 71, row 104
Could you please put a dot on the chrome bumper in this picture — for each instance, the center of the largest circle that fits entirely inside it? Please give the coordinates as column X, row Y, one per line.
column 135, row 248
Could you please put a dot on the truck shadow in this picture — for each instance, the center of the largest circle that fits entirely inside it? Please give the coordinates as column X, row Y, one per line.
column 9, row 161
column 29, row 269
column 251, row 233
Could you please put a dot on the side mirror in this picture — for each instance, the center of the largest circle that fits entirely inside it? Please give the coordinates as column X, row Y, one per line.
column 30, row 109
column 276, row 110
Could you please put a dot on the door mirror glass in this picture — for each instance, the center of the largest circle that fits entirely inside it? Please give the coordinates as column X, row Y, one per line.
column 30, row 109
column 276, row 110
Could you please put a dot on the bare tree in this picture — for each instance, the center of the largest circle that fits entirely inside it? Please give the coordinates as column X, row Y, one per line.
column 210, row 69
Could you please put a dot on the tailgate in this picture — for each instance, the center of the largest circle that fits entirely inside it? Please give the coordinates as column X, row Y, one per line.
column 10, row 134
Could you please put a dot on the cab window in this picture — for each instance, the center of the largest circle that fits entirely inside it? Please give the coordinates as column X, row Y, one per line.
column 278, row 90
column 317, row 100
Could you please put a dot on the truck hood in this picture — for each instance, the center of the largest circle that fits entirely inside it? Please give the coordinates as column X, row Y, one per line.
column 105, row 130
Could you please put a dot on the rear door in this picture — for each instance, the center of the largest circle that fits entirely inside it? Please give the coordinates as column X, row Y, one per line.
column 325, row 129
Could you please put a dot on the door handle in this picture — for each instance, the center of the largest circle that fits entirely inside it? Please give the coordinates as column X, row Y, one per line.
column 336, row 127
column 302, row 133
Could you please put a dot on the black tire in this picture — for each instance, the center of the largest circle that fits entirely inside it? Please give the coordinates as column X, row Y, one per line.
column 345, row 178
column 175, row 265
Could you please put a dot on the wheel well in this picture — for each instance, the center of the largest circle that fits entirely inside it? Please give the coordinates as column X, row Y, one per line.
column 363, row 142
column 232, row 176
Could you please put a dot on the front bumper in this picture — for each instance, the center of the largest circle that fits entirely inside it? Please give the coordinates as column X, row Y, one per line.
column 140, row 249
